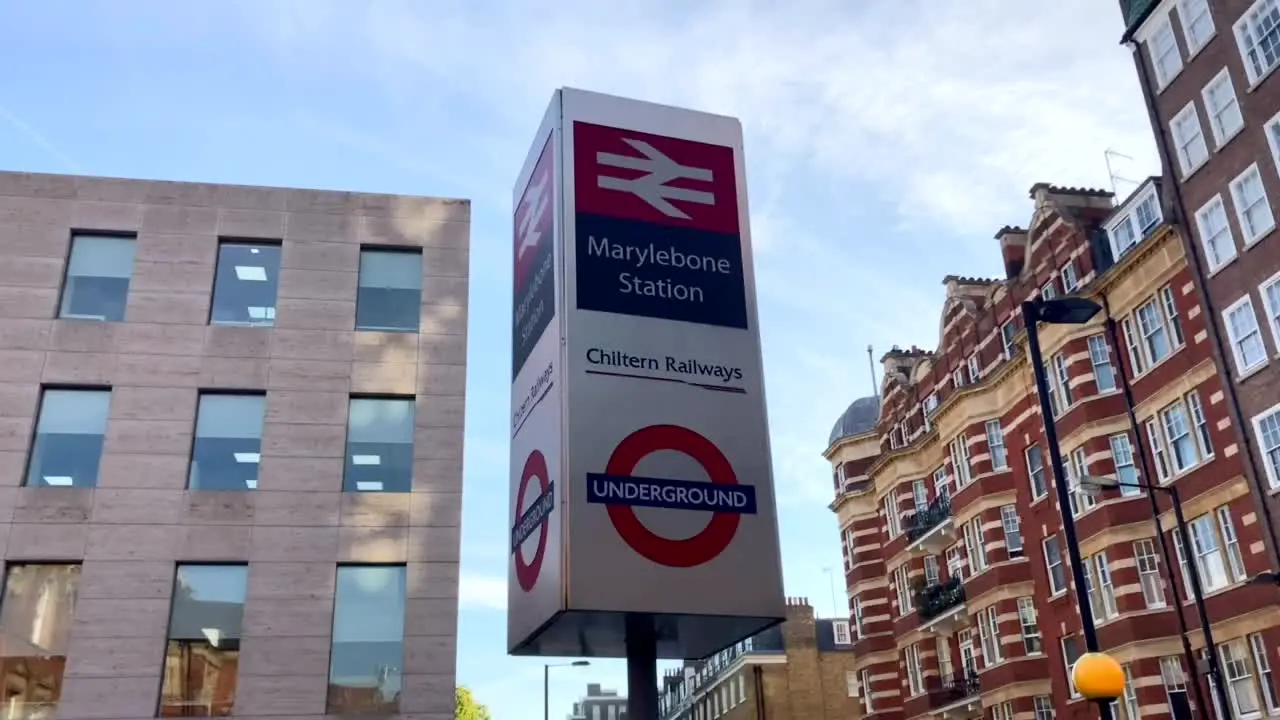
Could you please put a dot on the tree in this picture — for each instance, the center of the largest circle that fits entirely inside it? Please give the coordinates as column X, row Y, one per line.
column 468, row 707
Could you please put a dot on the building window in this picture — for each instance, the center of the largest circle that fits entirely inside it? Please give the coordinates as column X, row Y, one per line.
column 1166, row 59
column 1220, row 102
column 959, row 452
column 1007, row 331
column 1126, row 230
column 1106, row 590
column 851, row 549
column 1270, row 292
column 995, row 444
column 1216, row 549
column 1104, row 373
column 1258, row 35
column 1049, row 291
column 915, row 671
column 379, row 445
column 840, row 632
column 858, row 613
column 1148, row 564
column 1188, row 137
column 1247, row 346
column 1258, row 651
column 1070, row 654
column 955, row 562
column 1158, row 331
column 975, row 548
column 389, row 296
column 1175, row 683
column 920, row 494
column 865, row 685
column 98, row 274
column 228, row 442
column 1012, row 530
column 989, row 636
column 1035, row 470
column 942, row 645
column 1253, row 210
column 246, row 284
column 1070, row 281
column 1267, row 428
column 851, row 683
column 975, row 371
column 367, row 655
column 1241, row 678
column 70, row 428
column 1128, row 708
column 1054, row 564
column 931, row 571
column 891, row 515
column 1197, row 29
column 902, row 585
column 957, row 378
column 35, row 618
column 1032, row 641
column 1058, row 380
column 1179, row 436
column 1044, row 707
column 1077, row 467
column 941, row 482
column 203, row 649
column 1215, row 233
column 1126, row 470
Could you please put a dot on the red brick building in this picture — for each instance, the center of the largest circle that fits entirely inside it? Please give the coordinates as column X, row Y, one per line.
column 959, row 587
column 1206, row 67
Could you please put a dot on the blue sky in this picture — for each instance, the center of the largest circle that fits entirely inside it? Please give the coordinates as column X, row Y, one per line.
column 887, row 140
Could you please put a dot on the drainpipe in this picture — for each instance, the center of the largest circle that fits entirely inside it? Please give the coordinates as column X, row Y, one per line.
column 757, row 681
column 1253, row 474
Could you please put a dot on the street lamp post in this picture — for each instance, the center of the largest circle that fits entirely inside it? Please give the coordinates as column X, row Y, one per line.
column 1193, row 574
column 1065, row 311
column 546, row 683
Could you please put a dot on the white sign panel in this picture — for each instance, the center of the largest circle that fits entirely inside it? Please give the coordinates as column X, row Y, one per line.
column 663, row 491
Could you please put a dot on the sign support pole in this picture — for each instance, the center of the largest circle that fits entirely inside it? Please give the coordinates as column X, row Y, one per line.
column 642, row 668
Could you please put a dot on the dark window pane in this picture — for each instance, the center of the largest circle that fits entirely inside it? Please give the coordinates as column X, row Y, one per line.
column 245, row 285
column 367, row 655
column 35, row 627
column 390, row 291
column 68, row 442
column 98, row 272
column 379, row 446
column 203, row 653
column 228, row 441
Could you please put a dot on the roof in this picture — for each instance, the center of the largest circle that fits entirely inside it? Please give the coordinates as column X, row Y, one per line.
column 859, row 417
column 1135, row 13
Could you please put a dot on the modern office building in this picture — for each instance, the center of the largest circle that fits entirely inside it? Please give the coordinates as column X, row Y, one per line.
column 600, row 704
column 799, row 670
column 230, row 449
column 961, row 599
column 1205, row 68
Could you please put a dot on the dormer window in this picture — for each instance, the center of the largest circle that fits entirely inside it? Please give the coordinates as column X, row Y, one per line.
column 1133, row 224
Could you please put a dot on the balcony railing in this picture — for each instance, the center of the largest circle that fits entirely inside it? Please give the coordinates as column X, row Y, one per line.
column 936, row 598
column 953, row 689
column 919, row 523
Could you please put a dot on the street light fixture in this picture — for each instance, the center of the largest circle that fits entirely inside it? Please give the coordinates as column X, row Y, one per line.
column 546, row 683
column 1062, row 311
column 1095, row 485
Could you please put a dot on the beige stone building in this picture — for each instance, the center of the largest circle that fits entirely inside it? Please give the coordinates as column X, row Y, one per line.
column 802, row 669
column 231, row 425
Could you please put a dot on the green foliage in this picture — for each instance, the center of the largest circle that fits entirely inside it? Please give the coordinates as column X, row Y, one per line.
column 468, row 707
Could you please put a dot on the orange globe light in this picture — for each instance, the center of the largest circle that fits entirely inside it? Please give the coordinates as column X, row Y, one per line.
column 1098, row 676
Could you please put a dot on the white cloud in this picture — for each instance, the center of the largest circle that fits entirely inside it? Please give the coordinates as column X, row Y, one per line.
column 482, row 592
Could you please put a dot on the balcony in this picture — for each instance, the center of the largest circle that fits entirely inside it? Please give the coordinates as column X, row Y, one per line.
column 941, row 607
column 956, row 697
column 930, row 530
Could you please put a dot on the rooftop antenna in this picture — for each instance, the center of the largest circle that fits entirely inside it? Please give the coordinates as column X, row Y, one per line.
column 831, row 580
column 875, row 385
column 1107, row 155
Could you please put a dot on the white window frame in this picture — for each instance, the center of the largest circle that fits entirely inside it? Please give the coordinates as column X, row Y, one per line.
column 1216, row 239
column 1049, row 565
column 1077, row 467
column 1044, row 707
column 1240, row 678
column 1139, row 336
column 1014, row 543
column 1131, row 709
column 995, row 445
column 975, row 370
column 1106, row 586
column 1192, row 144
column 902, row 586
column 1262, row 665
column 1007, row 332
column 859, row 619
column 1251, row 236
column 1049, row 290
column 1162, row 43
column 955, row 562
column 1100, row 357
column 1191, row 12
column 1070, row 281
column 1123, row 456
column 957, row 378
column 989, row 636
column 1134, row 230
column 915, row 670
column 1029, row 623
column 864, row 684
column 1246, row 32
column 1068, row 664
column 960, row 461
column 1062, row 378
column 932, row 571
column 851, row 548
column 1272, row 130
column 1269, row 291
column 892, row 514
column 1266, row 431
column 1041, row 489
column 975, row 546
column 1147, row 563
column 1245, row 335
column 1218, row 558
column 840, row 632
column 1164, row 449
column 1221, row 133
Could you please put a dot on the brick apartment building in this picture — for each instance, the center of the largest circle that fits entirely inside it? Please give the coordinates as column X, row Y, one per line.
column 960, row 594
column 1205, row 67
column 799, row 670
column 230, row 449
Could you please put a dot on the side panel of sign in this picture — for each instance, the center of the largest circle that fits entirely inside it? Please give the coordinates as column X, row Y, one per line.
column 668, row 437
column 535, row 587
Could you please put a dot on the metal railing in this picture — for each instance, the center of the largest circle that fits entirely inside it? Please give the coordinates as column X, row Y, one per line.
column 953, row 689
column 919, row 523
column 934, row 599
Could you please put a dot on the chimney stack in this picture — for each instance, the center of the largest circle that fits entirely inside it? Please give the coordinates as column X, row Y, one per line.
column 1013, row 248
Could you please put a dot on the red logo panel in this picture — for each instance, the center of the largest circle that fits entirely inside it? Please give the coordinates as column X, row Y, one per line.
column 655, row 179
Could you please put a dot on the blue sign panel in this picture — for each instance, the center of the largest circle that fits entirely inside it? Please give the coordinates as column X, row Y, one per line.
column 670, row 494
